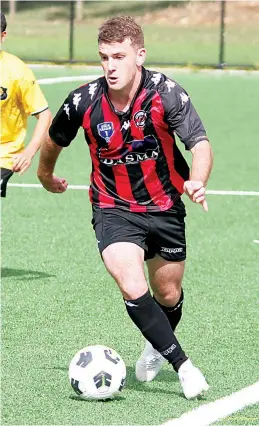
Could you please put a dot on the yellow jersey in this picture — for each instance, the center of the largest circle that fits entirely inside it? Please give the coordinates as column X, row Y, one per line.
column 20, row 96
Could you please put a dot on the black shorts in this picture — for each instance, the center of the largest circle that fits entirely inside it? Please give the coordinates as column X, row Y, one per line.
column 161, row 233
column 5, row 176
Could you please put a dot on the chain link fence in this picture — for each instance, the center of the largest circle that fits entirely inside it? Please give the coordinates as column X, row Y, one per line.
column 203, row 33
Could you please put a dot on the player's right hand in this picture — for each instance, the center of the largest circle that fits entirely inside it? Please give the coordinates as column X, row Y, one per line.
column 54, row 183
column 21, row 162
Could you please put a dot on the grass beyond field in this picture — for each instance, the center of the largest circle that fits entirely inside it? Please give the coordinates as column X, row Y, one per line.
column 58, row 298
column 172, row 34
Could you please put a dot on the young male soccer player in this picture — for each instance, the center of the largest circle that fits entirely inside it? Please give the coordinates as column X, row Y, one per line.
column 20, row 96
column 129, row 118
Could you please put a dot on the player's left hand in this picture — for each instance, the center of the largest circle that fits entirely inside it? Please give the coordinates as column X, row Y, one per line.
column 196, row 191
column 21, row 162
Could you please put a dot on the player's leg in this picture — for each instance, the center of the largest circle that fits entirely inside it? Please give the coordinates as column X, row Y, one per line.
column 121, row 236
column 165, row 279
column 5, row 176
column 166, row 267
column 125, row 262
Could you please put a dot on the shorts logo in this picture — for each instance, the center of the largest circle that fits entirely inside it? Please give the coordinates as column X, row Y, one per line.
column 140, row 118
column 3, row 93
column 172, row 250
column 105, row 130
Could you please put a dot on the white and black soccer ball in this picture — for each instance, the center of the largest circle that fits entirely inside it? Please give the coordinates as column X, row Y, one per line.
column 97, row 372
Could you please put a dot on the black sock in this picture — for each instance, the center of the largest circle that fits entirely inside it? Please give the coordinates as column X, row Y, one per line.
column 154, row 325
column 173, row 313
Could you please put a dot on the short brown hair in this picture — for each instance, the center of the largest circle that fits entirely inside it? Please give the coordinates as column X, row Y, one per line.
column 3, row 23
column 118, row 29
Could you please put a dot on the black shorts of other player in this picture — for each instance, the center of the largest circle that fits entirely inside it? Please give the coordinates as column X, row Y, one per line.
column 5, row 176
column 161, row 233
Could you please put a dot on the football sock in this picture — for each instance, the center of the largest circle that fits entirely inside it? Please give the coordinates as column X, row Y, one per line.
column 154, row 325
column 173, row 313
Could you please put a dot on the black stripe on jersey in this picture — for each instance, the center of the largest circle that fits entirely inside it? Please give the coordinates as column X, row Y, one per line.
column 95, row 192
column 180, row 164
column 136, row 178
column 162, row 168
column 105, row 171
column 95, row 198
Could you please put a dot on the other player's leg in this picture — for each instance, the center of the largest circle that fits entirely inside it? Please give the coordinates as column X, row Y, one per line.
column 5, row 176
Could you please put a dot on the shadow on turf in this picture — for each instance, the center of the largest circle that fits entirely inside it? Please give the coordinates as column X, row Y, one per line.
column 132, row 383
column 97, row 401
column 24, row 274
column 163, row 376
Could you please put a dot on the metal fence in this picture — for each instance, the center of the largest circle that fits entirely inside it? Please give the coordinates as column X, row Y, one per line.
column 203, row 33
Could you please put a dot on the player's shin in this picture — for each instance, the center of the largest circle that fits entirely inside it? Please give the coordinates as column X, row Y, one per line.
column 173, row 313
column 154, row 325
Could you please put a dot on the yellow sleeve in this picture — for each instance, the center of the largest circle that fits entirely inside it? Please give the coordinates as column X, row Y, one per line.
column 31, row 96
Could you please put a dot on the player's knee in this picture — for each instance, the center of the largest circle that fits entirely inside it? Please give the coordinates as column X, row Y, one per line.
column 168, row 296
column 131, row 281
column 120, row 276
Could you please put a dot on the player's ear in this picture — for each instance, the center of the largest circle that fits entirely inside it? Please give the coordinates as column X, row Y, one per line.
column 141, row 56
column 3, row 35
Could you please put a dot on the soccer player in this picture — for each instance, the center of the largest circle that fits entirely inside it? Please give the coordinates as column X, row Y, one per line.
column 20, row 96
column 130, row 118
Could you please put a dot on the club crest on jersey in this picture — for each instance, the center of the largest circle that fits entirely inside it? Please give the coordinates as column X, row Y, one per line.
column 140, row 118
column 105, row 130
column 3, row 93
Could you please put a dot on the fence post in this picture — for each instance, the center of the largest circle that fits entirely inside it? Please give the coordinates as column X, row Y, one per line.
column 71, row 30
column 222, row 34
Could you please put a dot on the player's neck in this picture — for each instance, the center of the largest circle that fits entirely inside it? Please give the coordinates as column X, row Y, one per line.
column 121, row 99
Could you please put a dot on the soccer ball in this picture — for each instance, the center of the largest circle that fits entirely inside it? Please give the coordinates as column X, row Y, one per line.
column 97, row 372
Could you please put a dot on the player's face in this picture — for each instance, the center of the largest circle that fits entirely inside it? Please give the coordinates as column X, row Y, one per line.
column 120, row 62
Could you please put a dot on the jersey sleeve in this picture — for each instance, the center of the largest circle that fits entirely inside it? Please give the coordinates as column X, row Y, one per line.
column 30, row 94
column 181, row 116
column 67, row 121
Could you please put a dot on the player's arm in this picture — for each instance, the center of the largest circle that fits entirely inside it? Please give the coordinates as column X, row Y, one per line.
column 202, row 160
column 183, row 119
column 62, row 131
column 48, row 157
column 21, row 162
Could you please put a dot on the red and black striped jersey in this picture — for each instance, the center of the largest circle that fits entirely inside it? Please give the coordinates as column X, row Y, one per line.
column 136, row 164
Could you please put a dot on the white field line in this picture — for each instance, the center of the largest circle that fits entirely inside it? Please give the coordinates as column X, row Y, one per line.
column 38, row 185
column 209, row 413
column 55, row 80
column 216, row 192
column 256, row 241
column 86, row 187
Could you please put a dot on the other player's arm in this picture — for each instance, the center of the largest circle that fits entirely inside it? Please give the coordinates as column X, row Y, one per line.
column 33, row 103
column 186, row 123
column 21, row 162
column 62, row 131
